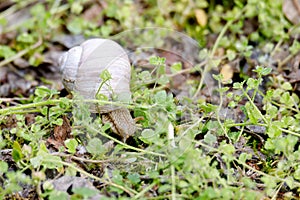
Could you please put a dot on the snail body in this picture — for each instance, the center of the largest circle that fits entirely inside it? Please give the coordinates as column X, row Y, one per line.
column 81, row 67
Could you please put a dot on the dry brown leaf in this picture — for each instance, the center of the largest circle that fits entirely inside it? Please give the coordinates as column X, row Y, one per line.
column 227, row 73
column 60, row 134
column 201, row 17
column 93, row 14
column 291, row 9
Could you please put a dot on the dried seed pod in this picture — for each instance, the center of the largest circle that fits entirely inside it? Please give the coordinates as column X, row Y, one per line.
column 81, row 67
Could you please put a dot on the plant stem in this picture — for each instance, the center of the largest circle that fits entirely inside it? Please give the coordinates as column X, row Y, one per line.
column 255, row 107
column 83, row 159
column 173, row 182
column 14, row 8
column 22, row 108
column 218, row 111
column 9, row 110
column 288, row 58
column 290, row 132
column 21, row 53
column 244, row 124
column 146, row 189
column 124, row 144
column 212, row 53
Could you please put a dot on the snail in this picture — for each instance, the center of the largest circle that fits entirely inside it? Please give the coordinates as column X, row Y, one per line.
column 81, row 67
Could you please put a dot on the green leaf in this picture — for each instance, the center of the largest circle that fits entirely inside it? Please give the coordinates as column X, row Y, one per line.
column 214, row 63
column 48, row 186
column 100, row 96
column 232, row 104
column 252, row 83
column 42, row 91
column 227, row 194
column 20, row 118
column 43, row 148
column 208, row 107
column 17, row 154
column 222, row 90
column 210, row 138
column 106, row 30
column 263, row 70
column 85, row 192
column 145, row 76
column 230, row 54
column 26, row 38
column 55, row 195
column 76, row 7
column 51, row 162
column 58, row 121
column 286, row 86
column 3, row 167
column 161, row 97
column 36, row 161
column 163, row 80
column 105, row 75
column 117, row 177
column 295, row 47
column 270, row 144
column 269, row 182
column 287, row 121
column 156, row 60
column 148, row 136
column 290, row 182
column 227, row 148
column 272, row 111
column 3, row 21
column 6, row 52
column 218, row 77
column 134, row 178
column 112, row 10
column 286, row 99
column 38, row 10
column 273, row 129
column 71, row 171
column 252, row 113
column 233, row 135
column 286, row 145
column 244, row 156
column 238, row 86
column 161, row 70
column 153, row 174
column 164, row 188
column 209, row 193
column 71, row 145
column 183, row 184
column 297, row 173
column 248, row 182
column 76, row 25
column 176, row 67
column 95, row 147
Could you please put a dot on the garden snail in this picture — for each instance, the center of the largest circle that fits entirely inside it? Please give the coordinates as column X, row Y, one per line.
column 81, row 67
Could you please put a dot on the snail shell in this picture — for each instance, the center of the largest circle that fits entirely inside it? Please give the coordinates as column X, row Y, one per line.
column 81, row 67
